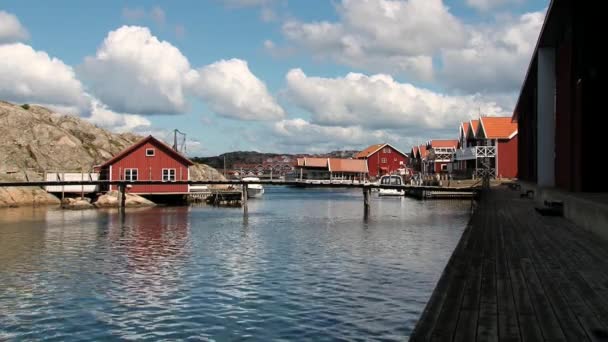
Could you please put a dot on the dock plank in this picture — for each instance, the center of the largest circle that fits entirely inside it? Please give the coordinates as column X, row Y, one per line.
column 519, row 276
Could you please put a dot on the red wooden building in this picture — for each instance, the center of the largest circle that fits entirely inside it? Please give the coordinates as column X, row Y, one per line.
column 383, row 159
column 443, row 151
column 487, row 146
column 149, row 159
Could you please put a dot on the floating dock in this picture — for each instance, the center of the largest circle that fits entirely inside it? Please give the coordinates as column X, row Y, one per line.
column 519, row 276
column 225, row 197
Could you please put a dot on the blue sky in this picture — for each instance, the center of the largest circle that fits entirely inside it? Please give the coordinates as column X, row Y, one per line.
column 271, row 75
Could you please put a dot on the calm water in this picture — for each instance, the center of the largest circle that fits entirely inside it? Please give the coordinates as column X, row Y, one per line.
column 302, row 266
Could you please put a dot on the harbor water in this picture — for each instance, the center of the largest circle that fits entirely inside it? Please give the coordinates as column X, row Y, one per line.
column 302, row 265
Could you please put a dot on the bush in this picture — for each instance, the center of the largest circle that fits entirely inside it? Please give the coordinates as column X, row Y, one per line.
column 25, row 106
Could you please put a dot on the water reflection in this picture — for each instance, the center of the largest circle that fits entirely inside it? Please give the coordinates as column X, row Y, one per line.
column 300, row 265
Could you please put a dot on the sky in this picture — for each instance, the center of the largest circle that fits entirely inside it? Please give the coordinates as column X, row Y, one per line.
column 285, row 76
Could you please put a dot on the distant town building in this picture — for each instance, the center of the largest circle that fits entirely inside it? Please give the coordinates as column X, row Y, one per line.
column 149, row 159
column 383, row 159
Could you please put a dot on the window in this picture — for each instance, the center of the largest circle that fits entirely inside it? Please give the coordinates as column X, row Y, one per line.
column 149, row 152
column 383, row 160
column 130, row 175
column 386, row 150
column 168, row 175
column 444, row 167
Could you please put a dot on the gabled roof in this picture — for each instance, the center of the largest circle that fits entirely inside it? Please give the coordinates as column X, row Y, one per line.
column 347, row 165
column 414, row 151
column 422, row 151
column 497, row 127
column 464, row 128
column 375, row 148
column 472, row 131
column 368, row 151
column 154, row 141
column 438, row 143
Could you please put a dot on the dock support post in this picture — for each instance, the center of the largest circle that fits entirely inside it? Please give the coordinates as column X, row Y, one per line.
column 366, row 196
column 244, row 198
column 123, row 195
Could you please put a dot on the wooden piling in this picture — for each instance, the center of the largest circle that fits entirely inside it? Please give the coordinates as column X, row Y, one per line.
column 123, row 195
column 244, row 198
column 366, row 196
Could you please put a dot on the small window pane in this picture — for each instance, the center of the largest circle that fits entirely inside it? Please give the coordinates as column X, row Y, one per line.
column 149, row 152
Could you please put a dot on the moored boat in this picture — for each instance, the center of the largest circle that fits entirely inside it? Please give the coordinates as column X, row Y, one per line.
column 391, row 180
column 254, row 190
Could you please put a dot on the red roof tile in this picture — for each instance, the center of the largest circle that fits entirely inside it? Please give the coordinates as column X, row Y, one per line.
column 369, row 151
column 498, row 127
column 465, row 127
column 444, row 143
column 315, row 162
column 347, row 165
column 473, row 128
column 423, row 152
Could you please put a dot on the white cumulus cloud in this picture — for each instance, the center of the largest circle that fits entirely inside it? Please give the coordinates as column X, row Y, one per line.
column 11, row 29
column 133, row 71
column 495, row 58
column 485, row 5
column 382, row 35
column 232, row 90
column 27, row 75
column 116, row 122
column 378, row 101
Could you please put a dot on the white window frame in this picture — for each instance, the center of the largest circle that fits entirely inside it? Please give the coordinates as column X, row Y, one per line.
column 150, row 150
column 386, row 150
column 444, row 167
column 383, row 161
column 168, row 178
column 130, row 178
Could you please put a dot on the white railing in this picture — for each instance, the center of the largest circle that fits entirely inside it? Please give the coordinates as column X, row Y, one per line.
column 475, row 152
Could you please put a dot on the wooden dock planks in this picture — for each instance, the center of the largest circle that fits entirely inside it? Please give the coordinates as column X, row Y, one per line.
column 519, row 276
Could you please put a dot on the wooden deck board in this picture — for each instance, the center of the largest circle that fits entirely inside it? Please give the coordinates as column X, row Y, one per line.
column 519, row 276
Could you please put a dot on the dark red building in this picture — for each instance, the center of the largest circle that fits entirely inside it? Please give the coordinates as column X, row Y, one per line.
column 560, row 110
column 149, row 159
column 383, row 159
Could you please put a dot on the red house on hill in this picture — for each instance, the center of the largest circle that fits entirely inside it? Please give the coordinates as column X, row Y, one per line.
column 383, row 159
column 149, row 159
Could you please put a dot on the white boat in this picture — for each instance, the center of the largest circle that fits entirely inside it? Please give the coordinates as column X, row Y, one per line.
column 391, row 180
column 254, row 190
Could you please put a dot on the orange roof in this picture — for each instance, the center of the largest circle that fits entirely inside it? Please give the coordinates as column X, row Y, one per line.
column 473, row 127
column 465, row 127
column 347, row 165
column 498, row 127
column 315, row 162
column 369, row 151
column 444, row 143
column 423, row 152
column 300, row 162
column 141, row 142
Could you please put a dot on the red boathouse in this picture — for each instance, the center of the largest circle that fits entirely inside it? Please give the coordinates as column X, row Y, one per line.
column 149, row 159
column 383, row 159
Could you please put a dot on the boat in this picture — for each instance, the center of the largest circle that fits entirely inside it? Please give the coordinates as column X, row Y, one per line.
column 253, row 190
column 391, row 180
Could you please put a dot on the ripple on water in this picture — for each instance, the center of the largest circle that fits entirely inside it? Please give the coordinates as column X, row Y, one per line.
column 303, row 265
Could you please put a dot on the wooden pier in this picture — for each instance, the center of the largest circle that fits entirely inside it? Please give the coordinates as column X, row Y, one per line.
column 519, row 276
